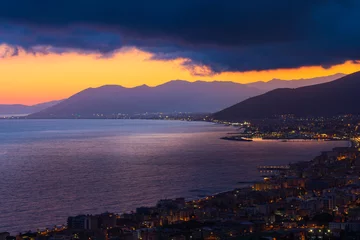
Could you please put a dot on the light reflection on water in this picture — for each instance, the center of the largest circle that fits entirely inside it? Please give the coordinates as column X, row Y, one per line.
column 51, row 169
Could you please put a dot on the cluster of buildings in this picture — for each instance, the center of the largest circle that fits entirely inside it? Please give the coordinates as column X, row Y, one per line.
column 182, row 116
column 341, row 127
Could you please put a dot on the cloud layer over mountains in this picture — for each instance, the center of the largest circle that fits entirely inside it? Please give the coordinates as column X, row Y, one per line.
column 224, row 35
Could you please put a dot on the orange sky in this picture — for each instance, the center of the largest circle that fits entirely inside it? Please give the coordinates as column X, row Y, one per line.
column 29, row 79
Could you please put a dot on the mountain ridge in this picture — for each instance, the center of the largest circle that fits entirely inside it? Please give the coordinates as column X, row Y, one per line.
column 199, row 86
column 25, row 109
column 325, row 99
column 176, row 96
column 296, row 83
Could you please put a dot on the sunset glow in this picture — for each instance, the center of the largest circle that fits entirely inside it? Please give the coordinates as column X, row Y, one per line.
column 30, row 79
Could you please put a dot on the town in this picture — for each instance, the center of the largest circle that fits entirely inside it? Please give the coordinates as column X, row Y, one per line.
column 289, row 127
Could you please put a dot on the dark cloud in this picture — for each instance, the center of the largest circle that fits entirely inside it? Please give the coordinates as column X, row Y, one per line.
column 228, row 35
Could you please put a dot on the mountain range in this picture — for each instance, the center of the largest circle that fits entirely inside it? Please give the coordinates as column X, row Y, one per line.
column 173, row 96
column 17, row 109
column 327, row 99
column 278, row 83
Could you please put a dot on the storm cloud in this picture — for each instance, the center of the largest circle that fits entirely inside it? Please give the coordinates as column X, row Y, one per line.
column 228, row 35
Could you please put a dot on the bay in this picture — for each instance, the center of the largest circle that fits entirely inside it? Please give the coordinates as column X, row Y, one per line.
column 51, row 169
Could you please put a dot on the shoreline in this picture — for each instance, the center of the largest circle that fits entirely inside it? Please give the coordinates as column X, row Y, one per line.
column 200, row 198
column 188, row 201
column 236, row 138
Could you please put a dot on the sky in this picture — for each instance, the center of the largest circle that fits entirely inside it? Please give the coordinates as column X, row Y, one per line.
column 52, row 49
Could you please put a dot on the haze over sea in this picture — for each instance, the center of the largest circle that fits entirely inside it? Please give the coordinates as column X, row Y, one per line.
column 51, row 169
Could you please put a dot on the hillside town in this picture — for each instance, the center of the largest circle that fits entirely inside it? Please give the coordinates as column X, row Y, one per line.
column 290, row 127
column 318, row 199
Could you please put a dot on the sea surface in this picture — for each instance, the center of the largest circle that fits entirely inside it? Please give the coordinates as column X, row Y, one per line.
column 51, row 169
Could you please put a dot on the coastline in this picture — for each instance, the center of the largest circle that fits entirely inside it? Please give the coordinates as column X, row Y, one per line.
column 237, row 138
column 230, row 190
column 189, row 201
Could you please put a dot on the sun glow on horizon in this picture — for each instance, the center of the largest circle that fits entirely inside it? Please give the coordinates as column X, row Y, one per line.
column 34, row 78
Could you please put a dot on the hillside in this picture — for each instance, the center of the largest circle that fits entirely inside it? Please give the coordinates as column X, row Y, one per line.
column 327, row 99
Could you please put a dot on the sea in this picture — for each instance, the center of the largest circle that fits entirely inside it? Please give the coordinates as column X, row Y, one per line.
column 52, row 169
